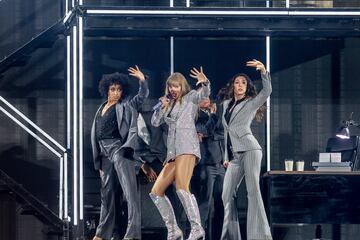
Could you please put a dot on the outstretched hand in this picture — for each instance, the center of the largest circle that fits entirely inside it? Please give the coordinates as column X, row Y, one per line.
column 257, row 64
column 198, row 75
column 135, row 72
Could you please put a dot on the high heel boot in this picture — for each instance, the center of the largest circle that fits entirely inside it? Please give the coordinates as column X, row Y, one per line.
column 192, row 212
column 164, row 206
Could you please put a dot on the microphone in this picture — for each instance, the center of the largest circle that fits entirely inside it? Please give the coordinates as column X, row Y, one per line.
column 169, row 96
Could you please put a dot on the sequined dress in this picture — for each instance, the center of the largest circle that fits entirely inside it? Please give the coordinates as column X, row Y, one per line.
column 182, row 137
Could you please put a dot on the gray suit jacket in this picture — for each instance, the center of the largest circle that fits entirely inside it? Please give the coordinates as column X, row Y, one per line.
column 238, row 128
column 126, row 115
column 182, row 137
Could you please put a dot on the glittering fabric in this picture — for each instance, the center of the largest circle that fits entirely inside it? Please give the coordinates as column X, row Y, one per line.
column 182, row 137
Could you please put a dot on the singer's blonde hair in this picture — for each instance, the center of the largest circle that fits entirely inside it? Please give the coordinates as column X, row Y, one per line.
column 177, row 79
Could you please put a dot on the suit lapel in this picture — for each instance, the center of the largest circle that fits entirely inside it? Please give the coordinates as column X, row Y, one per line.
column 237, row 110
column 225, row 106
column 120, row 113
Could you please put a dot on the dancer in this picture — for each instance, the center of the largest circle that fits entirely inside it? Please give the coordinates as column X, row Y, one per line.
column 208, row 179
column 182, row 150
column 112, row 137
column 243, row 154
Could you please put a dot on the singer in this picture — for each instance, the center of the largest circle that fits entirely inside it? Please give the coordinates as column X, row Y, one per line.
column 183, row 151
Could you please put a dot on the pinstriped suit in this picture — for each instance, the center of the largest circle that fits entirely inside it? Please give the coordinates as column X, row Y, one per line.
column 246, row 162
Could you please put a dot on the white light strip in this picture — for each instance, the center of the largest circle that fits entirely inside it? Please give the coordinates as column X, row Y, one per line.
column 68, row 92
column 80, row 2
column 33, row 124
column 67, row 16
column 75, row 129
column 187, row 3
column 268, row 123
column 185, row 12
column 73, row 3
column 227, row 13
column 68, row 124
column 171, row 47
column 324, row 13
column 66, row 208
column 61, row 188
column 287, row 4
column 30, row 132
column 171, row 54
column 81, row 102
column 66, row 6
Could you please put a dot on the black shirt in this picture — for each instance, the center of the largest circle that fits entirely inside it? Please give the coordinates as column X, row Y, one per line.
column 106, row 125
column 227, row 116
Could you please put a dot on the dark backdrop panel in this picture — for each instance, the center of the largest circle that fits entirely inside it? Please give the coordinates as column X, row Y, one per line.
column 38, row 91
column 23, row 20
column 314, row 89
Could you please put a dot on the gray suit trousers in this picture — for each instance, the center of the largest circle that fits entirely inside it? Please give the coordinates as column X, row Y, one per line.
column 244, row 164
column 114, row 165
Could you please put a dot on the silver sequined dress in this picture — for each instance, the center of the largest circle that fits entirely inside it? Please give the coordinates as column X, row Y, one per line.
column 182, row 137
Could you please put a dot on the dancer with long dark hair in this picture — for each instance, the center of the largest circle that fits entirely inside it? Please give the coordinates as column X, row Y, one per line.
column 243, row 154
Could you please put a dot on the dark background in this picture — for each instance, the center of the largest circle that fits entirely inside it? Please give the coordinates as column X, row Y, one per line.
column 315, row 87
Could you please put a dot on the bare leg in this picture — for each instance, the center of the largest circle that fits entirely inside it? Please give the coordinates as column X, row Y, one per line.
column 165, row 178
column 183, row 171
column 184, row 167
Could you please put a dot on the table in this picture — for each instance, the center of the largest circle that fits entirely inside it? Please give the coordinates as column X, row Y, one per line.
column 312, row 197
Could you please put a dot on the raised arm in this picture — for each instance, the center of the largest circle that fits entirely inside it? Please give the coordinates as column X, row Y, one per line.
column 143, row 93
column 204, row 90
column 265, row 92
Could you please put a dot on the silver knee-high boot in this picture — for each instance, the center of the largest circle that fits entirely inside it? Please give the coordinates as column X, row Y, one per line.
column 192, row 212
column 163, row 204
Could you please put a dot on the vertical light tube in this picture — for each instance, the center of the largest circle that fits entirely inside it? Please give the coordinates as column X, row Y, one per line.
column 268, row 140
column 171, row 54
column 68, row 121
column 66, row 7
column 187, row 3
column 73, row 3
column 287, row 3
column 61, row 188
column 81, row 142
column 66, row 209
column 171, row 46
column 75, row 129
column 267, row 3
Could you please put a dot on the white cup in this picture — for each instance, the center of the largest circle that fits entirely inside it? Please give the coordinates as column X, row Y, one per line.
column 300, row 166
column 289, row 164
